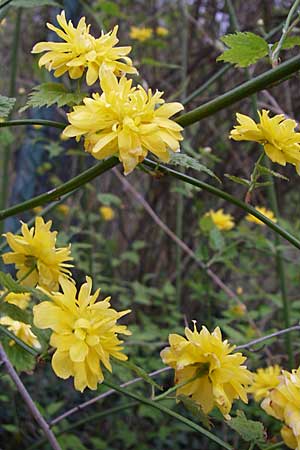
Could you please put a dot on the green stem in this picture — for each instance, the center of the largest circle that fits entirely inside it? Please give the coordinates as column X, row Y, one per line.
column 275, row 446
column 46, row 123
column 169, row 412
column 244, row 90
column 255, row 172
column 69, row 186
column 99, row 415
column 228, row 197
column 12, row 89
column 285, row 31
column 18, row 341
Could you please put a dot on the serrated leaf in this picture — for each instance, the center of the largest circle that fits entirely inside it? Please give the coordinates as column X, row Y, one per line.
column 7, row 281
column 195, row 410
column 140, row 373
column 33, row 3
column 245, row 48
column 216, row 239
column 249, row 430
column 20, row 358
column 238, row 180
column 48, row 94
column 206, row 223
column 289, row 42
column 14, row 312
column 186, row 161
column 6, row 105
column 266, row 170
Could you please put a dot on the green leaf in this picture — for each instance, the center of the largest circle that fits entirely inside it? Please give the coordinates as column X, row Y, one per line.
column 289, row 42
column 249, row 430
column 238, row 180
column 195, row 410
column 186, row 161
column 154, row 63
column 6, row 105
column 216, row 239
column 14, row 312
column 48, row 94
column 10, row 284
column 244, row 48
column 266, row 170
column 108, row 7
column 20, row 358
column 33, row 3
column 109, row 199
column 206, row 224
column 140, row 373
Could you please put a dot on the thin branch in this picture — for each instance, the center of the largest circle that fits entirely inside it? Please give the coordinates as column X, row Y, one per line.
column 104, row 395
column 269, row 336
column 28, row 400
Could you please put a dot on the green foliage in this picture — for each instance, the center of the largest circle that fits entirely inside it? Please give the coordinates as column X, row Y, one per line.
column 20, row 358
column 266, row 171
column 10, row 284
column 289, row 42
column 6, row 105
column 249, row 430
column 14, row 312
column 187, row 162
column 140, row 373
column 48, row 94
column 245, row 48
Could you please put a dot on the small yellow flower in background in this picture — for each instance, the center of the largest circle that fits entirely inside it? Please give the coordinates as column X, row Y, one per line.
column 126, row 121
column 107, row 213
column 141, row 34
column 222, row 377
column 81, row 51
column 283, row 403
column 38, row 209
column 35, row 249
column 37, row 126
column 20, row 300
column 21, row 90
column 264, row 380
column 84, row 333
column 238, row 310
column 162, row 31
column 221, row 220
column 239, row 290
column 266, row 212
column 21, row 330
column 277, row 135
column 64, row 209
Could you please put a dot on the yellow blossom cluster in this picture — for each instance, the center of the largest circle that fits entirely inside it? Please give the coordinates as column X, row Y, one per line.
column 122, row 120
column 207, row 369
column 84, row 330
column 277, row 135
column 143, row 33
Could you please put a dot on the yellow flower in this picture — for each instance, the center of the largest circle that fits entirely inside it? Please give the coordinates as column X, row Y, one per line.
column 266, row 212
column 277, row 135
column 84, row 333
column 126, row 121
column 35, row 249
column 64, row 209
column 283, row 403
column 107, row 213
column 289, row 438
column 264, row 380
column 141, row 33
column 36, row 126
column 222, row 377
column 21, row 330
column 162, row 31
column 221, row 220
column 20, row 300
column 81, row 51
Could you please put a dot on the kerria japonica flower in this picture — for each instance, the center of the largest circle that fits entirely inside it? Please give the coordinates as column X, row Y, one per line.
column 21, row 300
column 266, row 212
column 283, row 403
column 36, row 257
column 221, row 220
column 85, row 333
column 141, row 34
column 217, row 375
column 264, row 380
column 126, row 121
column 80, row 52
column 277, row 135
column 20, row 330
